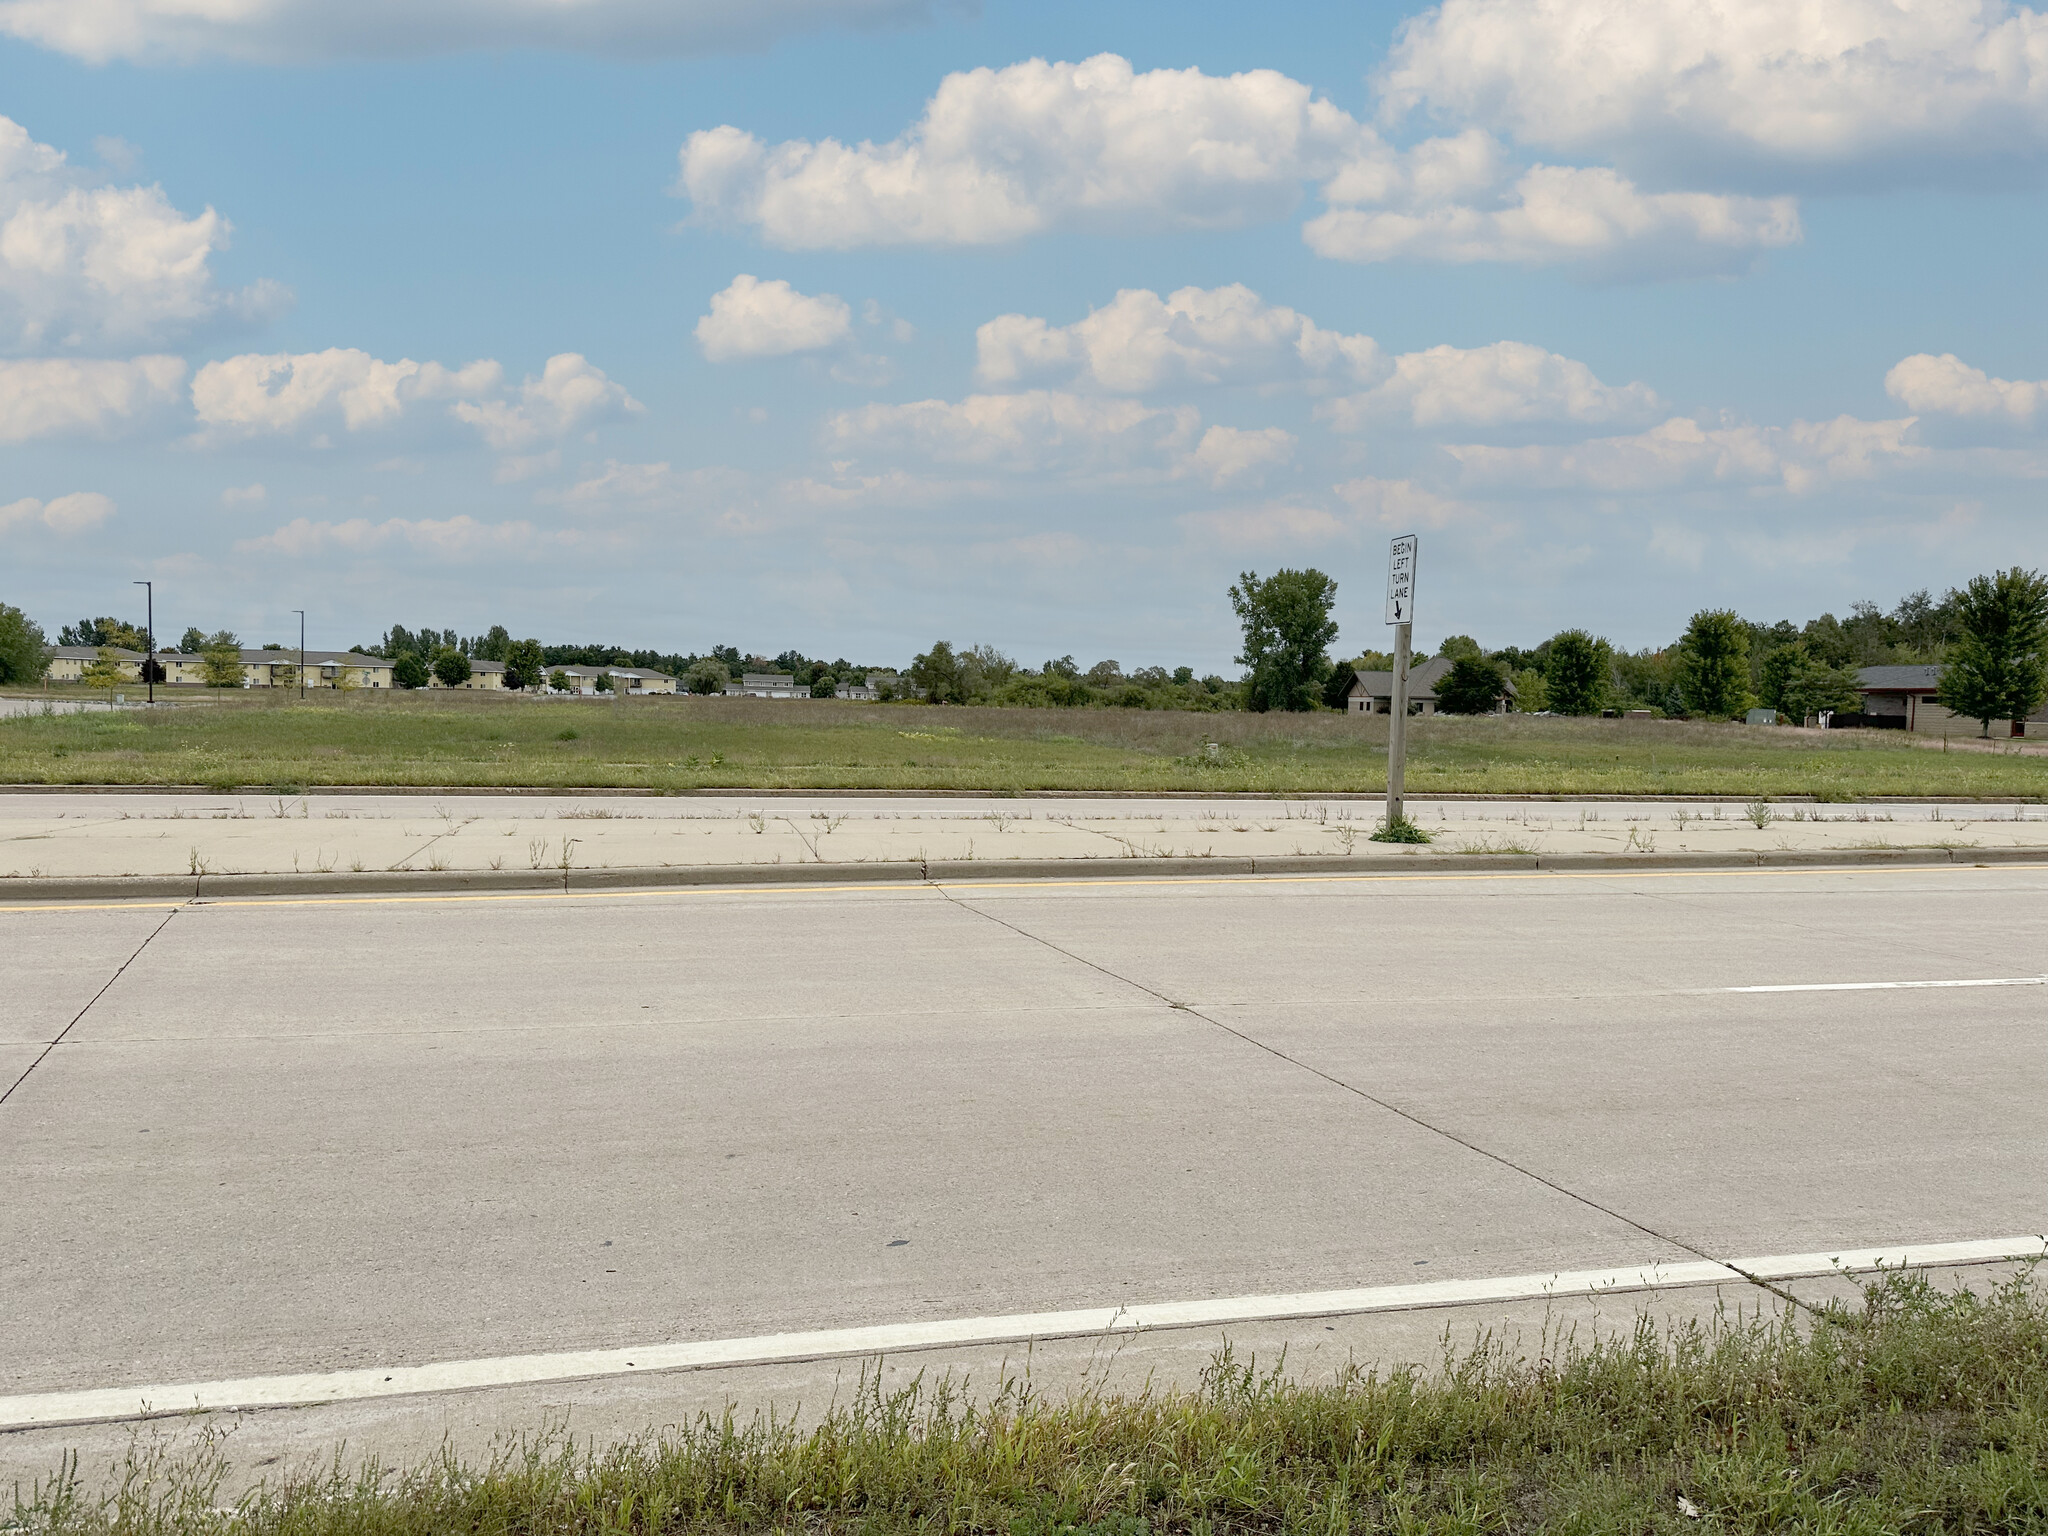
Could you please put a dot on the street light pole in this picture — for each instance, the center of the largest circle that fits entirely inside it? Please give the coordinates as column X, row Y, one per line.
column 149, row 638
column 302, row 653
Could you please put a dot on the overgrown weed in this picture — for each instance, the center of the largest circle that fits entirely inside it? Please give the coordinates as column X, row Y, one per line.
column 1915, row 1411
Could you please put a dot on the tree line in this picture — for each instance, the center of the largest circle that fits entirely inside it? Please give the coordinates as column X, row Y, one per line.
column 1990, row 637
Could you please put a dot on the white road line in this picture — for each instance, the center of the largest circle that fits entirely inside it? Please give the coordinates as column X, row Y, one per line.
column 1886, row 986
column 115, row 1403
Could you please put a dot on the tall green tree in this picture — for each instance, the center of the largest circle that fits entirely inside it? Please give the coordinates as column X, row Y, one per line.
column 1287, row 635
column 408, row 671
column 939, row 676
column 1780, row 666
column 706, row 676
column 1713, row 665
column 21, row 647
column 523, row 664
column 1473, row 686
column 1997, row 668
column 1576, row 672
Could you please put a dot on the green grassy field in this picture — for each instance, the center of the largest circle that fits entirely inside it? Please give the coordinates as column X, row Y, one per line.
column 677, row 744
column 1914, row 1413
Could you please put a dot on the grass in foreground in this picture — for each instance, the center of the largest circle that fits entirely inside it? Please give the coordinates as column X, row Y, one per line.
column 677, row 744
column 1916, row 1412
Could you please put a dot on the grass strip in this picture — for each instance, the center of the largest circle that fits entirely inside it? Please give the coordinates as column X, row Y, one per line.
column 1915, row 1411
column 682, row 744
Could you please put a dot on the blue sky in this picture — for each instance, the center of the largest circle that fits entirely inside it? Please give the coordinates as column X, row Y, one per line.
column 894, row 321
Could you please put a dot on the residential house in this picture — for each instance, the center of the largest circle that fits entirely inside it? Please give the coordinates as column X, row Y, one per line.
column 1902, row 699
column 768, row 685
column 1372, row 693
column 68, row 662
column 631, row 681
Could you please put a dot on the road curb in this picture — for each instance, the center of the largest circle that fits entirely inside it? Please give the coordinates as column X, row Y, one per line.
column 575, row 881
column 741, row 792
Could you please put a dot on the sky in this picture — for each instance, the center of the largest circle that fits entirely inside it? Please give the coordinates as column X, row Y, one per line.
column 851, row 325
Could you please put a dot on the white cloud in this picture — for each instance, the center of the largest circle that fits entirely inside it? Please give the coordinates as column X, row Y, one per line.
column 1784, row 85
column 1267, row 523
column 1401, row 504
column 622, row 482
column 448, row 538
column 284, row 392
column 75, row 513
column 1036, row 430
column 280, row 391
column 569, row 396
column 1194, row 336
column 1368, row 505
column 1948, row 386
column 1680, row 452
column 1557, row 213
column 87, row 268
column 1000, row 154
column 43, row 396
column 1510, row 381
column 1231, row 453
column 750, row 318
column 303, row 30
column 244, row 496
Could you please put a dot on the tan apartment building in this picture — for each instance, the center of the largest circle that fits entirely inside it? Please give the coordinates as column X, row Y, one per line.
column 279, row 669
column 68, row 662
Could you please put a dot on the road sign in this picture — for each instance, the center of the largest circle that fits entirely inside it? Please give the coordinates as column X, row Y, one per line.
column 1401, row 581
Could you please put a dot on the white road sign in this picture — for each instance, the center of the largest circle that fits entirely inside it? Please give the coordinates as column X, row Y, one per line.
column 1401, row 581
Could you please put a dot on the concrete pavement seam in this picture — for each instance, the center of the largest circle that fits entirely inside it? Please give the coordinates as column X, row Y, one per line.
column 311, row 883
column 1391, row 1108
column 118, row 973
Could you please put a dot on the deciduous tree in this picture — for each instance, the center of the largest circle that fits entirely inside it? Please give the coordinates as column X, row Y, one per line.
column 451, row 667
column 1998, row 667
column 1473, row 686
column 104, row 670
column 21, row 647
column 1577, row 671
column 523, row 664
column 706, row 676
column 221, row 662
column 1287, row 635
column 1713, row 665
column 938, row 675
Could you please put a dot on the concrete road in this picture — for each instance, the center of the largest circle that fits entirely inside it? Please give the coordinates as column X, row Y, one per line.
column 302, row 1136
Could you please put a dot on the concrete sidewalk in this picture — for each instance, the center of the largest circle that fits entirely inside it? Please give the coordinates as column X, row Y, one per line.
column 329, row 842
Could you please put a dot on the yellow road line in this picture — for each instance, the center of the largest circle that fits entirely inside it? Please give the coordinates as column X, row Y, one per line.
column 1096, row 883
